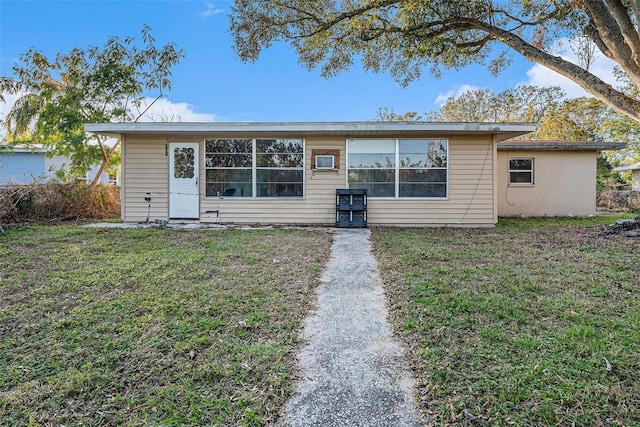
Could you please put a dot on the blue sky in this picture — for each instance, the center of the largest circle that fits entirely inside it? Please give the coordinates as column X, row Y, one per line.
column 211, row 83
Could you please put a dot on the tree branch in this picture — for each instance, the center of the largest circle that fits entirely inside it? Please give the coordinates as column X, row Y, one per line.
column 611, row 35
column 147, row 108
column 583, row 78
column 628, row 30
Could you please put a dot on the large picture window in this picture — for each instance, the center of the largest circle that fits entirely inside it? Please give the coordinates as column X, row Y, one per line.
column 254, row 167
column 398, row 167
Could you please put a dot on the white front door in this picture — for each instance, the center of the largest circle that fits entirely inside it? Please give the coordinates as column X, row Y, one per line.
column 184, row 195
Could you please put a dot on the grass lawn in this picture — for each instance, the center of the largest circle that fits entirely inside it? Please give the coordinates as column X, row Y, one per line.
column 118, row 327
column 531, row 323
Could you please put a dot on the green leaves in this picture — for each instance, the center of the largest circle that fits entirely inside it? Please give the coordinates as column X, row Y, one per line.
column 92, row 85
column 405, row 37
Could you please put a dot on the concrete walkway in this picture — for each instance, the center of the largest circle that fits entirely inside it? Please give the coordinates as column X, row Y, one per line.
column 353, row 370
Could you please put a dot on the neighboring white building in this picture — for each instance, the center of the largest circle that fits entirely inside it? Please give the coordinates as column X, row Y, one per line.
column 635, row 174
column 28, row 164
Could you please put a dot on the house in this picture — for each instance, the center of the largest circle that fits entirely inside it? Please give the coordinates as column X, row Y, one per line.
column 548, row 178
column 415, row 173
column 635, row 174
column 24, row 164
column 21, row 165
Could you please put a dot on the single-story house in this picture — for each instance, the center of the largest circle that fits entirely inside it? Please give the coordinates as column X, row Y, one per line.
column 415, row 173
column 548, row 178
column 635, row 174
column 25, row 164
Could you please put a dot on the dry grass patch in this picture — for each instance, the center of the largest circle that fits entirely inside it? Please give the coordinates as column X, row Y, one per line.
column 152, row 327
column 531, row 323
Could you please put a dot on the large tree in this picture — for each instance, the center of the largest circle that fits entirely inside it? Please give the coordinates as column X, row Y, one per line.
column 93, row 85
column 404, row 36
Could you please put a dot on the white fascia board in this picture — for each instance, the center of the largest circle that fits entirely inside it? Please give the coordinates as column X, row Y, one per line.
column 349, row 129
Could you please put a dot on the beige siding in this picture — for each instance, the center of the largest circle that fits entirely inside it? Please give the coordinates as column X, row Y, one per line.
column 317, row 206
column 470, row 201
column 144, row 170
column 564, row 184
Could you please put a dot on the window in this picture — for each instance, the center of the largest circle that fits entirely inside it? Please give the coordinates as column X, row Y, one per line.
column 183, row 163
column 521, row 171
column 254, row 167
column 398, row 167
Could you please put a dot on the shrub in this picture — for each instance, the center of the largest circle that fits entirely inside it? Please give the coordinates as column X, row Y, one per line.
column 618, row 201
column 52, row 201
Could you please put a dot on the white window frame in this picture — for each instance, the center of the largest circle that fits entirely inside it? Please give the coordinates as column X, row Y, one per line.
column 397, row 168
column 254, row 169
column 531, row 171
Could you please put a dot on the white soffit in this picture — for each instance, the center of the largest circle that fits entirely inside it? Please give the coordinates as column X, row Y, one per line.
column 302, row 129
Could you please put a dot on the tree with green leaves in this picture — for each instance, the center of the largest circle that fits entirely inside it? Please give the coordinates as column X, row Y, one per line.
column 405, row 36
column 93, row 85
column 525, row 103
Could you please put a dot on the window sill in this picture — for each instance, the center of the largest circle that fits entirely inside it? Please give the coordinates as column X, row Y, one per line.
column 336, row 170
column 521, row 185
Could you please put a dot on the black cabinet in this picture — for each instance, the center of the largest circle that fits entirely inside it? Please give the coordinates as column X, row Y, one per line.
column 351, row 207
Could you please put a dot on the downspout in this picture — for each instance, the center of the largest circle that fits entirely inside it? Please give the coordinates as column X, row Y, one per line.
column 123, row 177
column 494, row 167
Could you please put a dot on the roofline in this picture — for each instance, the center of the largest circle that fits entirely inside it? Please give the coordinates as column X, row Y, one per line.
column 302, row 129
column 559, row 145
column 632, row 167
column 37, row 148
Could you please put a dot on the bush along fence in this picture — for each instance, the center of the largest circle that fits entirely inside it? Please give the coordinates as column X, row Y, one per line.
column 51, row 202
column 618, row 201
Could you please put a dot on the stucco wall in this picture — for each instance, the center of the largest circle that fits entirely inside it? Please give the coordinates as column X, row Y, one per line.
column 564, row 184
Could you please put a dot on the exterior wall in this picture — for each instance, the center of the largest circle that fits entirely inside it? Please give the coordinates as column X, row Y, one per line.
column 29, row 166
column 317, row 207
column 564, row 184
column 21, row 167
column 144, row 167
column 470, row 199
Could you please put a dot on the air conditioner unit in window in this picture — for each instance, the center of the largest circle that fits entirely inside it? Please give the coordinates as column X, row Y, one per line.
column 325, row 161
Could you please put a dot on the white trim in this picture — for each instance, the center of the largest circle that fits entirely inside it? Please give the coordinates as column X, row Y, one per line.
column 520, row 184
column 397, row 168
column 394, row 129
column 254, row 169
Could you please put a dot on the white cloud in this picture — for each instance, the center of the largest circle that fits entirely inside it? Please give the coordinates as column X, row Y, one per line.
column 5, row 107
column 164, row 110
column 442, row 97
column 542, row 76
column 210, row 10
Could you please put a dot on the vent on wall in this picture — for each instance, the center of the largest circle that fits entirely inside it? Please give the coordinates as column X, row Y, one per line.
column 325, row 161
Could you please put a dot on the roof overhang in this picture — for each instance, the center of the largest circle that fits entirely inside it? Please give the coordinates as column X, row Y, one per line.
column 635, row 166
column 36, row 148
column 559, row 145
column 374, row 129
